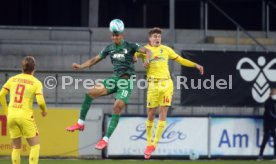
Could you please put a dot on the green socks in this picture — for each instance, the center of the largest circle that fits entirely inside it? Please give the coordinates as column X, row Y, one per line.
column 85, row 106
column 113, row 124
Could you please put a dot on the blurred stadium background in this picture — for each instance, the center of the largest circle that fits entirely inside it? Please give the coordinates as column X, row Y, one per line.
column 214, row 122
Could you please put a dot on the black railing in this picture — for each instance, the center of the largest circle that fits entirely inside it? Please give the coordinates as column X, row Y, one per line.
column 239, row 27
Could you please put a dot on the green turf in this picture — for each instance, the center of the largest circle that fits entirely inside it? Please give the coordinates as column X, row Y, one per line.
column 68, row 161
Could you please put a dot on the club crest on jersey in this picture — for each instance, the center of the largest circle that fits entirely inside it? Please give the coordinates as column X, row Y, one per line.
column 125, row 51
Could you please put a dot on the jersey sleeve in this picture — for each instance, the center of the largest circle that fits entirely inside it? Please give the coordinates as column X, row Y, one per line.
column 139, row 55
column 7, row 85
column 39, row 96
column 3, row 100
column 39, row 88
column 172, row 54
column 103, row 54
column 136, row 46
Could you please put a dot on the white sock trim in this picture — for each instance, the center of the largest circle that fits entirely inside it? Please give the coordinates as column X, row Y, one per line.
column 81, row 122
column 105, row 138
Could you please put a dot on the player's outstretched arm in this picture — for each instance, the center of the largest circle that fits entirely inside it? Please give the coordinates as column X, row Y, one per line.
column 188, row 63
column 200, row 69
column 3, row 100
column 88, row 63
column 148, row 55
column 41, row 103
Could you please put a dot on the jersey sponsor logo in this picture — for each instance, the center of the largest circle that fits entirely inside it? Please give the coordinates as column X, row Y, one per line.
column 260, row 73
column 118, row 56
column 156, row 58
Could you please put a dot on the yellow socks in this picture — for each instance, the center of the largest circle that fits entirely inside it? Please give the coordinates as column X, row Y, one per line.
column 159, row 130
column 16, row 156
column 34, row 154
column 149, row 129
column 33, row 158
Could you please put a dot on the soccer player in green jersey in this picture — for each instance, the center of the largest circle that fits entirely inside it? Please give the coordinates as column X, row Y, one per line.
column 121, row 54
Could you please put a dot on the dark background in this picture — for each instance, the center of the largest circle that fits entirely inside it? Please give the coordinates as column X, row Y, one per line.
column 135, row 13
column 221, row 65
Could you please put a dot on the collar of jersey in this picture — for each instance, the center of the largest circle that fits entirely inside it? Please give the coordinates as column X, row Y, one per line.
column 26, row 74
column 153, row 46
column 120, row 45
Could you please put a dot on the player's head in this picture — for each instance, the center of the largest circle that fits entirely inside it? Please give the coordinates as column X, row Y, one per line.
column 117, row 38
column 116, row 26
column 28, row 64
column 155, row 36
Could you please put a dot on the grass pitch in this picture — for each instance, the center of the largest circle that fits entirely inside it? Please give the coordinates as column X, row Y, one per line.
column 92, row 161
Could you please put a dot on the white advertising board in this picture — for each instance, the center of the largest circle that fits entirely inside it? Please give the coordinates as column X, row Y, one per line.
column 180, row 136
column 237, row 137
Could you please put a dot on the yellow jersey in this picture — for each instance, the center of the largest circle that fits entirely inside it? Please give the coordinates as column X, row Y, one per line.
column 159, row 62
column 22, row 88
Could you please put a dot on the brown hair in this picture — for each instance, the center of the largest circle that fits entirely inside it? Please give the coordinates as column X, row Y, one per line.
column 28, row 64
column 155, row 30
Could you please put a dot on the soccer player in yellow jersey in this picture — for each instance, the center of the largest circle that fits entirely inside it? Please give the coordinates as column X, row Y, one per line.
column 160, row 85
column 22, row 88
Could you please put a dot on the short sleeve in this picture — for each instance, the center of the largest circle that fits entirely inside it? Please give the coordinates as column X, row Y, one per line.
column 136, row 46
column 103, row 53
column 172, row 54
column 7, row 84
column 139, row 55
column 39, row 88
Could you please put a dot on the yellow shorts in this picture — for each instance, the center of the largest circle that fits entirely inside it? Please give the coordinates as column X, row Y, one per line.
column 22, row 127
column 159, row 93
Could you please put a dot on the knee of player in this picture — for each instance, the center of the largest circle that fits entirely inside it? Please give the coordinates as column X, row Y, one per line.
column 93, row 93
column 117, row 109
column 16, row 146
column 151, row 115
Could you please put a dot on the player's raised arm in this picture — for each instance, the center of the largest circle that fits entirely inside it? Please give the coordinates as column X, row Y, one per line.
column 88, row 63
column 188, row 63
column 200, row 68
column 184, row 62
column 148, row 55
column 138, row 55
column 3, row 100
